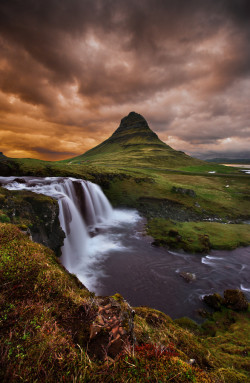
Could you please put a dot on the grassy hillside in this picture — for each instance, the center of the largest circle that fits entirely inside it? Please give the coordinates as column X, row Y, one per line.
column 46, row 316
column 134, row 143
column 136, row 169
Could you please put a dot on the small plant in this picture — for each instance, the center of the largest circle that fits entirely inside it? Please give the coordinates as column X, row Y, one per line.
column 4, row 218
column 151, row 351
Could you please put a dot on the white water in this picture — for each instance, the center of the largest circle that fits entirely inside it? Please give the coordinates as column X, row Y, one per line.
column 85, row 214
column 107, row 251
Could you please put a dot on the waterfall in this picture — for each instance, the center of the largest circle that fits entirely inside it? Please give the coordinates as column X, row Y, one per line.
column 82, row 209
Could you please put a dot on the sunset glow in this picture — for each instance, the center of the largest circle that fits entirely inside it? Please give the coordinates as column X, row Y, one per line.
column 70, row 70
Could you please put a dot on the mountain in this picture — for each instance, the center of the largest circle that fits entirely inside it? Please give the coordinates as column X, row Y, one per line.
column 133, row 143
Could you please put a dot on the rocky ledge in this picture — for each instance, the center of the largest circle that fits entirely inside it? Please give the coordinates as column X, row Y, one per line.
column 34, row 214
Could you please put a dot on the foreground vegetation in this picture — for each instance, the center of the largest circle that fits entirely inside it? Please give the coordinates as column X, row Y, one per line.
column 46, row 316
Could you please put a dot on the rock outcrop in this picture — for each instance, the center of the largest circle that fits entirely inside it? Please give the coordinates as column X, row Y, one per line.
column 188, row 192
column 112, row 329
column 35, row 214
column 135, row 126
column 233, row 300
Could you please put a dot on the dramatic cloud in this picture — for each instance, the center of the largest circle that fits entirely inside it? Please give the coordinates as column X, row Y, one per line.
column 71, row 69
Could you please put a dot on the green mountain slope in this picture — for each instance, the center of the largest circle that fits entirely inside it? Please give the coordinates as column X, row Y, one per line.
column 134, row 142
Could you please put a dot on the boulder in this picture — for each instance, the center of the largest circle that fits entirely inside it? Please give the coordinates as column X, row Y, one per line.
column 188, row 277
column 214, row 300
column 235, row 300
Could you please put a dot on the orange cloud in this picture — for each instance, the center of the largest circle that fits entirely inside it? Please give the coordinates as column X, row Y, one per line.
column 71, row 70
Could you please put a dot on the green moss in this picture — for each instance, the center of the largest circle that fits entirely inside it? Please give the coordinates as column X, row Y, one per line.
column 118, row 297
column 4, row 218
column 188, row 324
column 232, row 376
column 230, row 339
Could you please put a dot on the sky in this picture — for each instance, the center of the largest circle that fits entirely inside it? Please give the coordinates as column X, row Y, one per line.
column 71, row 69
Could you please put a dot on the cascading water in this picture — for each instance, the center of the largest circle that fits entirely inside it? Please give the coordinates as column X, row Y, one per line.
column 83, row 210
column 104, row 248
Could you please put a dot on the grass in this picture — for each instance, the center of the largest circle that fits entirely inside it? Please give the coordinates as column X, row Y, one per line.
column 206, row 168
column 129, row 178
column 40, row 305
column 231, row 345
column 45, row 318
column 197, row 237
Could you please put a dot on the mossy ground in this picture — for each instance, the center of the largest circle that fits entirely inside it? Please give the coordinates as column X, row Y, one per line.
column 23, row 208
column 230, row 343
column 45, row 320
column 198, row 237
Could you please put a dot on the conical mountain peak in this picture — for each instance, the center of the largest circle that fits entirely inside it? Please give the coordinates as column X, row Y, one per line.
column 133, row 143
column 134, row 123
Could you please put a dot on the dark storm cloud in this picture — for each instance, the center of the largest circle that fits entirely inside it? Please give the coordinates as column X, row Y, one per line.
column 52, row 153
column 80, row 64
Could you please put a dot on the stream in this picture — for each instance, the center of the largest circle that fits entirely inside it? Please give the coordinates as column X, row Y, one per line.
column 108, row 251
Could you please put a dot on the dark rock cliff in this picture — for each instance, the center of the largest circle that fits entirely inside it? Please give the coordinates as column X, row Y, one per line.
column 35, row 214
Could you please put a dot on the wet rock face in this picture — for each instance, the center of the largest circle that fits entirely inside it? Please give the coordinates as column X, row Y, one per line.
column 35, row 214
column 112, row 328
column 48, row 231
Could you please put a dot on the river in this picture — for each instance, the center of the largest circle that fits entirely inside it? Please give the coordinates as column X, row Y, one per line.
column 109, row 252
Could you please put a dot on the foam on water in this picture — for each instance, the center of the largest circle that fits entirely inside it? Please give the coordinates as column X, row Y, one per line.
column 215, row 258
column 245, row 288
column 83, row 208
column 105, row 248
column 206, row 261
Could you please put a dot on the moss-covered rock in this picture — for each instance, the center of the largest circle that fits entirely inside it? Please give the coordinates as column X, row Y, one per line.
column 235, row 300
column 215, row 301
column 35, row 212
